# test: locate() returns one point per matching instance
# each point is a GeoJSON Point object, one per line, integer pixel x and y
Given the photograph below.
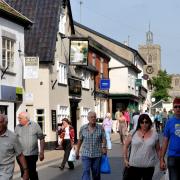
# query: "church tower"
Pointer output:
{"type": "Point", "coordinates": [151, 54]}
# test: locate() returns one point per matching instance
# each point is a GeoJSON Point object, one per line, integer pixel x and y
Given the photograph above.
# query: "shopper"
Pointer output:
{"type": "Point", "coordinates": [28, 133]}
{"type": "Point", "coordinates": [107, 125]}
{"type": "Point", "coordinates": [67, 136]}
{"type": "Point", "coordinates": [171, 142]}
{"type": "Point", "coordinates": [144, 142]}
{"type": "Point", "coordinates": [93, 141]}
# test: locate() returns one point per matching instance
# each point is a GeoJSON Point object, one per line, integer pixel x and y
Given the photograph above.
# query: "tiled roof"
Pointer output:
{"type": "Point", "coordinates": [40, 40]}
{"type": "Point", "coordinates": [8, 12]}
{"type": "Point", "coordinates": [135, 52]}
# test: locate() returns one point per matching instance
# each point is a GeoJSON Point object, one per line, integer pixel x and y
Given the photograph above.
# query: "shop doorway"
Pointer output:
{"type": "Point", "coordinates": [74, 113]}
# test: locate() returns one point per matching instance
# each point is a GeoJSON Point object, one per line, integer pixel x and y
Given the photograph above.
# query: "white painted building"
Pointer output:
{"type": "Point", "coordinates": [12, 26]}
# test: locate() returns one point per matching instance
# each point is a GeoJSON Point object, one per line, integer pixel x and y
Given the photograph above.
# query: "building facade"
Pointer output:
{"type": "Point", "coordinates": [12, 28]}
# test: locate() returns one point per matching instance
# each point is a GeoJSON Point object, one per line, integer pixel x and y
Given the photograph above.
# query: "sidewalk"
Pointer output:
{"type": "Point", "coordinates": [54, 155]}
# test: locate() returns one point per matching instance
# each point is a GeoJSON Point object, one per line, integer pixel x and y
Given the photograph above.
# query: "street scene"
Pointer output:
{"type": "Point", "coordinates": [84, 82]}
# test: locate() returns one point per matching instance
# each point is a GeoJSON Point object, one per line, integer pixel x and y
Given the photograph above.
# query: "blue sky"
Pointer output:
{"type": "Point", "coordinates": [119, 19]}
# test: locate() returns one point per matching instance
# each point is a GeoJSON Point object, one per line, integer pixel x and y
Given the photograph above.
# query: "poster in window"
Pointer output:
{"type": "Point", "coordinates": [78, 54]}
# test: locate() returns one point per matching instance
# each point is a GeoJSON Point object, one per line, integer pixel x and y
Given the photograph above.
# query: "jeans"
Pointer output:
{"type": "Point", "coordinates": [92, 164]}
{"type": "Point", "coordinates": [173, 164]}
{"type": "Point", "coordinates": [108, 138]}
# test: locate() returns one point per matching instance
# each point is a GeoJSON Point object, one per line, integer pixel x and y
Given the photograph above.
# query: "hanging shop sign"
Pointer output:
{"type": "Point", "coordinates": [78, 54]}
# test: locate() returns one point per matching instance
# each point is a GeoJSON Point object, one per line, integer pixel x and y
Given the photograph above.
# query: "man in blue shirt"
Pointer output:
{"type": "Point", "coordinates": [93, 141]}
{"type": "Point", "coordinates": [171, 141]}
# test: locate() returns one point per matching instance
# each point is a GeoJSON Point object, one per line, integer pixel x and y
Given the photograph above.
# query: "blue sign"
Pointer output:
{"type": "Point", "coordinates": [104, 84]}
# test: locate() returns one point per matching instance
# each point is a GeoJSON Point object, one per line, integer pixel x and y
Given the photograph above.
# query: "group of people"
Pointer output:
{"type": "Point", "coordinates": [23, 145]}
{"type": "Point", "coordinates": [142, 148]}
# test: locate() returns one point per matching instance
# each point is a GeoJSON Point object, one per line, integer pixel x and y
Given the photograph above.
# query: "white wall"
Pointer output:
{"type": "Point", "coordinates": [18, 31]}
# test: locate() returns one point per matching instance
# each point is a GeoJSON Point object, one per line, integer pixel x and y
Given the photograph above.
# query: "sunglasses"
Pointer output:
{"type": "Point", "coordinates": [177, 106]}
{"type": "Point", "coordinates": [144, 122]}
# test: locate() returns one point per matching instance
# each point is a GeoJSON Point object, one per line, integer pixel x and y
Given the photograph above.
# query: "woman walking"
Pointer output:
{"type": "Point", "coordinates": [122, 127]}
{"type": "Point", "coordinates": [107, 125]}
{"type": "Point", "coordinates": [67, 136]}
{"type": "Point", "coordinates": [144, 142]}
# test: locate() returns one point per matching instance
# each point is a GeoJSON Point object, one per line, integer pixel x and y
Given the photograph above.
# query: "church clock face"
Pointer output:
{"type": "Point", "coordinates": [149, 69]}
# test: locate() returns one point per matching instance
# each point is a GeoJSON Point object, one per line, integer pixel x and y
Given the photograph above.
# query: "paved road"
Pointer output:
{"type": "Point", "coordinates": [50, 170]}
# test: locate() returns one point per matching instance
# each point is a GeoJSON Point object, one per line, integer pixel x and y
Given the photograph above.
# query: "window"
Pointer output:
{"type": "Point", "coordinates": [62, 74]}
{"type": "Point", "coordinates": [150, 59]}
{"type": "Point", "coordinates": [129, 80]}
{"type": "Point", "coordinates": [85, 83]}
{"type": "Point", "coordinates": [3, 109]}
{"type": "Point", "coordinates": [84, 115]}
{"type": "Point", "coordinates": [7, 52]}
{"type": "Point", "coordinates": [101, 65]}
{"type": "Point", "coordinates": [62, 23]}
{"type": "Point", "coordinates": [94, 59]}
{"type": "Point", "coordinates": [176, 82]}
{"type": "Point", "coordinates": [40, 118]}
{"type": "Point", "coordinates": [62, 112]}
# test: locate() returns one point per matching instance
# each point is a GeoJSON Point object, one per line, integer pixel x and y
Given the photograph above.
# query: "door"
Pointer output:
{"type": "Point", "coordinates": [74, 116]}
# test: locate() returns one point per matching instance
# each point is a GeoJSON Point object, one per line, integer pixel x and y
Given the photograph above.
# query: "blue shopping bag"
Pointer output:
{"type": "Point", "coordinates": [105, 165]}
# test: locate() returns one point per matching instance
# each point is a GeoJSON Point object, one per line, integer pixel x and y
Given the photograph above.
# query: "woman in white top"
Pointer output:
{"type": "Point", "coordinates": [67, 136]}
{"type": "Point", "coordinates": [144, 151]}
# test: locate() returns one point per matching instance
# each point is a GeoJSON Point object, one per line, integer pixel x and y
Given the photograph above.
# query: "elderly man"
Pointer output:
{"type": "Point", "coordinates": [9, 148]}
{"type": "Point", "coordinates": [28, 133]}
{"type": "Point", "coordinates": [171, 141]}
{"type": "Point", "coordinates": [93, 141]}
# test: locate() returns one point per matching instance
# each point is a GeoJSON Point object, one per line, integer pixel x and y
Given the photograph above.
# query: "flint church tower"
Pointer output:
{"type": "Point", "coordinates": [151, 54]}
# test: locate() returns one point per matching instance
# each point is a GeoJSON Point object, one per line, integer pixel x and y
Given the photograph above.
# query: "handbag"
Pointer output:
{"type": "Point", "coordinates": [72, 155]}
{"type": "Point", "coordinates": [105, 165]}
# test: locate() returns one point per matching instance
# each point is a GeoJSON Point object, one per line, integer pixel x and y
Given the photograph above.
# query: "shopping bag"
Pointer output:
{"type": "Point", "coordinates": [105, 165]}
{"type": "Point", "coordinates": [72, 155]}
{"type": "Point", "coordinates": [166, 176]}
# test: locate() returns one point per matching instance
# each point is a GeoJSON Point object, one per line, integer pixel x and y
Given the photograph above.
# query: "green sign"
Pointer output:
{"type": "Point", "coordinates": [19, 90]}
{"type": "Point", "coordinates": [138, 82]}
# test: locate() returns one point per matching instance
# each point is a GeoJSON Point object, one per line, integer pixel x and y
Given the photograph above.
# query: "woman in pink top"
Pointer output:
{"type": "Point", "coordinates": [107, 125]}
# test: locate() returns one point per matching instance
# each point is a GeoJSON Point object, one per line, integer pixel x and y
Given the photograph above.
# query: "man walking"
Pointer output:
{"type": "Point", "coordinates": [93, 141]}
{"type": "Point", "coordinates": [171, 141]}
{"type": "Point", "coordinates": [9, 148]}
{"type": "Point", "coordinates": [28, 133]}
